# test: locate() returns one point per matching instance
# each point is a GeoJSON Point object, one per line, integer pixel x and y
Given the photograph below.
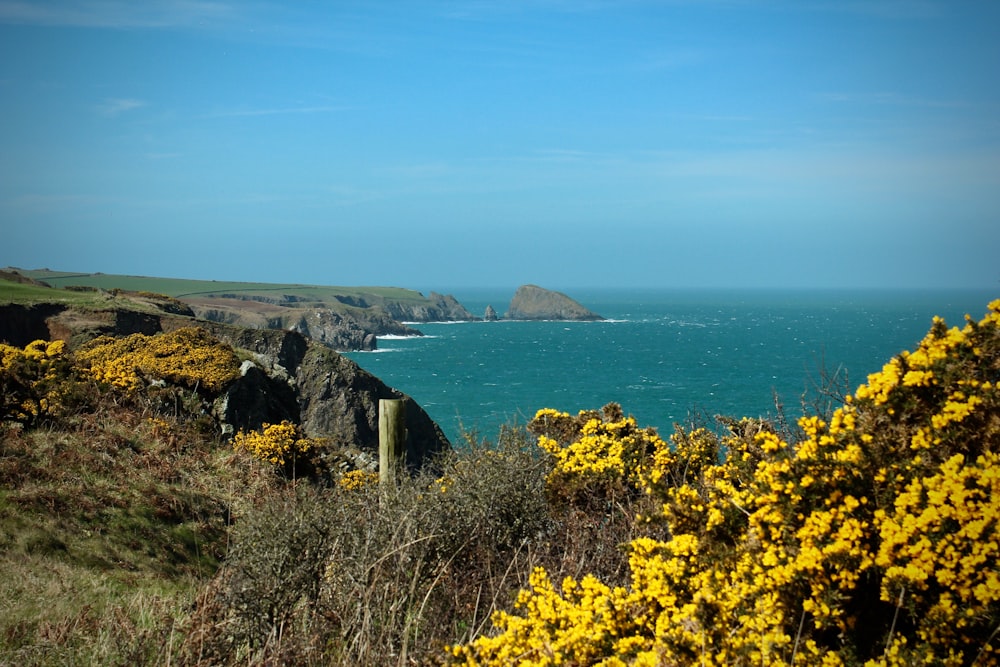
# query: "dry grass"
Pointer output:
{"type": "Point", "coordinates": [134, 537]}
{"type": "Point", "coordinates": [389, 577]}
{"type": "Point", "coordinates": [110, 521]}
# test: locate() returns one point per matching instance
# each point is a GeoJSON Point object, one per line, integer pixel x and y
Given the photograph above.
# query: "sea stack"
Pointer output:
{"type": "Point", "coordinates": [532, 302]}
{"type": "Point", "coordinates": [491, 314]}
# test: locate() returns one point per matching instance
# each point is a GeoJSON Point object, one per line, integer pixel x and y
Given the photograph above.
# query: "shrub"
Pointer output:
{"type": "Point", "coordinates": [357, 479]}
{"type": "Point", "coordinates": [189, 357]}
{"type": "Point", "coordinates": [379, 575]}
{"type": "Point", "coordinates": [600, 454]}
{"type": "Point", "coordinates": [277, 444]}
{"type": "Point", "coordinates": [34, 381]}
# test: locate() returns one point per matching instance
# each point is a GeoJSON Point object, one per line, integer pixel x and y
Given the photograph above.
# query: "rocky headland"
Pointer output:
{"type": "Point", "coordinates": [532, 302]}
{"type": "Point", "coordinates": [342, 318]}
{"type": "Point", "coordinates": [353, 323]}
{"type": "Point", "coordinates": [287, 375]}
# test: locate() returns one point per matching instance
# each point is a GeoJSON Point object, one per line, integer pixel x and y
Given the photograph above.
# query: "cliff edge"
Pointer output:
{"type": "Point", "coordinates": [285, 376]}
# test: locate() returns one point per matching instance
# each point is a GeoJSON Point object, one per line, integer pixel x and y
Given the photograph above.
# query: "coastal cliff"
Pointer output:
{"type": "Point", "coordinates": [349, 328]}
{"type": "Point", "coordinates": [342, 318]}
{"type": "Point", "coordinates": [287, 375]}
{"type": "Point", "coordinates": [531, 302]}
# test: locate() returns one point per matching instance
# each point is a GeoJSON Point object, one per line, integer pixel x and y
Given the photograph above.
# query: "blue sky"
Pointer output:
{"type": "Point", "coordinates": [565, 143]}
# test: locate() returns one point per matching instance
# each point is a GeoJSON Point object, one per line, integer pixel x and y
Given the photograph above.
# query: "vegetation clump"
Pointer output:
{"type": "Point", "coordinates": [284, 446]}
{"type": "Point", "coordinates": [189, 357]}
{"type": "Point", "coordinates": [34, 381]}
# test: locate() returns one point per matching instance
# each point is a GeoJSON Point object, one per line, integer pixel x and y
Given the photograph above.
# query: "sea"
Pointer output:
{"type": "Point", "coordinates": [666, 356]}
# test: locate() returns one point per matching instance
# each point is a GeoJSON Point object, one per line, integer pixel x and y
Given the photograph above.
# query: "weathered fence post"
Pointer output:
{"type": "Point", "coordinates": [391, 438]}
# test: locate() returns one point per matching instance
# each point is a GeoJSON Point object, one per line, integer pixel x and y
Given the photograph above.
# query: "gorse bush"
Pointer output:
{"type": "Point", "coordinates": [357, 479]}
{"type": "Point", "coordinates": [283, 445]}
{"type": "Point", "coordinates": [189, 357]}
{"type": "Point", "coordinates": [594, 450]}
{"type": "Point", "coordinates": [35, 382]}
{"type": "Point", "coordinates": [872, 540]}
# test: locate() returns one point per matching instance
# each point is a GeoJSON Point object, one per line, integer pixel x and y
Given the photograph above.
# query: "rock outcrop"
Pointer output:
{"type": "Point", "coordinates": [327, 393]}
{"type": "Point", "coordinates": [438, 308]}
{"type": "Point", "coordinates": [355, 329]}
{"type": "Point", "coordinates": [531, 302]}
{"type": "Point", "coordinates": [290, 376]}
{"type": "Point", "coordinates": [491, 314]}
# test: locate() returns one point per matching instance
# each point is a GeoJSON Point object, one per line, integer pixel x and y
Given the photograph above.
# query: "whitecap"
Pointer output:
{"type": "Point", "coordinates": [398, 337]}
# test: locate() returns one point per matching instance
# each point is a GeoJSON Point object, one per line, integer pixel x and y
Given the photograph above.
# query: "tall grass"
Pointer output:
{"type": "Point", "coordinates": [389, 576]}
{"type": "Point", "coordinates": [111, 519]}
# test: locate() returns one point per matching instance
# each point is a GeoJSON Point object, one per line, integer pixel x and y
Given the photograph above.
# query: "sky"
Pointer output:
{"type": "Point", "coordinates": [566, 143]}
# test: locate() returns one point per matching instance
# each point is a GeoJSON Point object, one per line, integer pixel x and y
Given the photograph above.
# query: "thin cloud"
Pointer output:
{"type": "Point", "coordinates": [116, 106]}
{"type": "Point", "coordinates": [277, 111]}
{"type": "Point", "coordinates": [115, 13]}
{"type": "Point", "coordinates": [886, 9]}
{"type": "Point", "coordinates": [888, 98]}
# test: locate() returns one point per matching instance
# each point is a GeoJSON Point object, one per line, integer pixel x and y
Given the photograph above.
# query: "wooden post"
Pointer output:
{"type": "Point", "coordinates": [391, 438]}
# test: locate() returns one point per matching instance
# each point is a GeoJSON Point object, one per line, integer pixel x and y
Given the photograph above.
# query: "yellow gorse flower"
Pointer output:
{"type": "Point", "coordinates": [276, 444]}
{"type": "Point", "coordinates": [189, 357]}
{"type": "Point", "coordinates": [33, 379]}
{"type": "Point", "coordinates": [357, 479]}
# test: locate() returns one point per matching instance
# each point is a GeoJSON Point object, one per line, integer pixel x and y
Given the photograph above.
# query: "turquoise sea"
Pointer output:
{"type": "Point", "coordinates": [664, 355]}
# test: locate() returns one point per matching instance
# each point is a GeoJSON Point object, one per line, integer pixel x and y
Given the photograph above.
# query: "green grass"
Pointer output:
{"type": "Point", "coordinates": [11, 292]}
{"type": "Point", "coordinates": [181, 288]}
{"type": "Point", "coordinates": [110, 524]}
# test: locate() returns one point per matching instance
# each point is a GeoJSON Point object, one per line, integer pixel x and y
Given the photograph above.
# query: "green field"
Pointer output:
{"type": "Point", "coordinates": [12, 292]}
{"type": "Point", "coordinates": [182, 288]}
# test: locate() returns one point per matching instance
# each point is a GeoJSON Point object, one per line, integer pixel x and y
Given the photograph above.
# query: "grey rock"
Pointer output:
{"type": "Point", "coordinates": [531, 302]}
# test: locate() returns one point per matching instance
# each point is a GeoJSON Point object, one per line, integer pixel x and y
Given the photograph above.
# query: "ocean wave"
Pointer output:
{"type": "Point", "coordinates": [417, 324]}
{"type": "Point", "coordinates": [398, 337]}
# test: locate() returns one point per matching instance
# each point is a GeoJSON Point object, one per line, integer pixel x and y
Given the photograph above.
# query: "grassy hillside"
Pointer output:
{"type": "Point", "coordinates": [27, 293]}
{"type": "Point", "coordinates": [114, 511]}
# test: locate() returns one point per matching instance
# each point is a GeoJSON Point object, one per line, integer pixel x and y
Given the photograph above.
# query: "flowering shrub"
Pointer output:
{"type": "Point", "coordinates": [940, 548]}
{"type": "Point", "coordinates": [189, 357]}
{"type": "Point", "coordinates": [33, 380]}
{"type": "Point", "coordinates": [357, 479]}
{"type": "Point", "coordinates": [872, 540]}
{"type": "Point", "coordinates": [595, 452]}
{"type": "Point", "coordinates": [277, 444]}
